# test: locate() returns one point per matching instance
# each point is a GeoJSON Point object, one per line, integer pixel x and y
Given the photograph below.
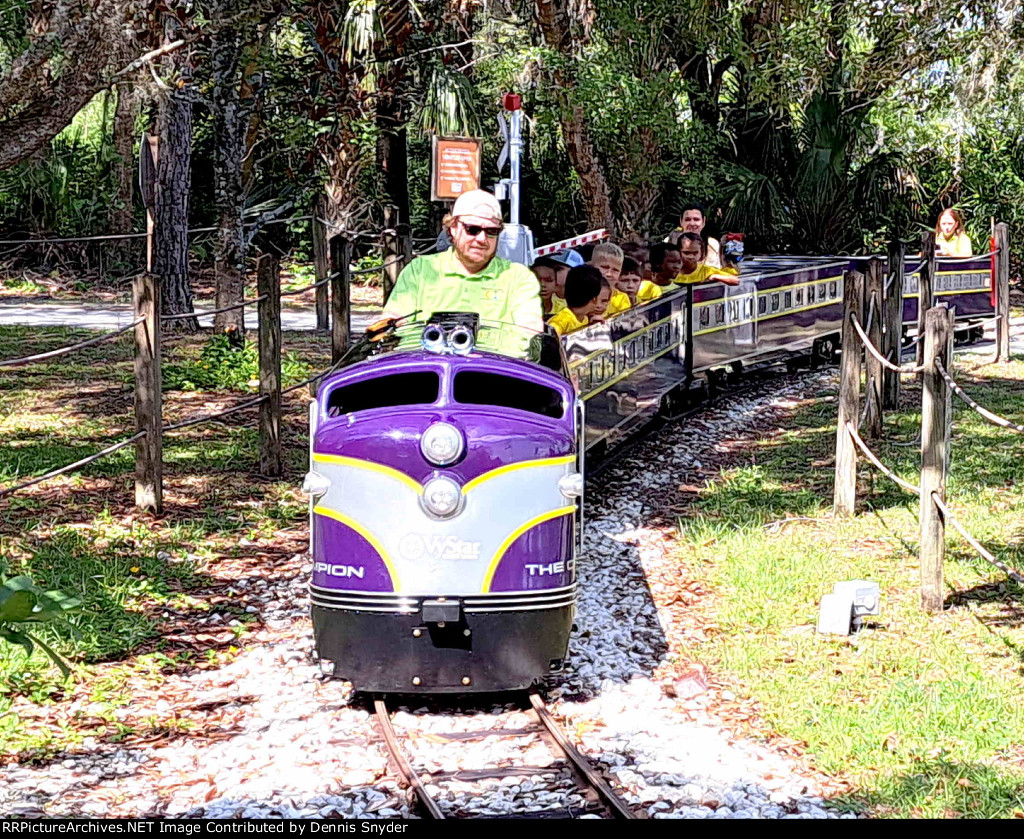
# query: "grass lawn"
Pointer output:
{"type": "Point", "coordinates": [923, 714]}
{"type": "Point", "coordinates": [146, 583]}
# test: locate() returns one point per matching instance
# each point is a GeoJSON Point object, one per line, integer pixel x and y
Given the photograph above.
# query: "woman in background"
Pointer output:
{"type": "Point", "coordinates": [950, 237]}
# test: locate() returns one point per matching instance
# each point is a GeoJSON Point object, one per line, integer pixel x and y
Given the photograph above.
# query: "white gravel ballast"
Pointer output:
{"type": "Point", "coordinates": [303, 748]}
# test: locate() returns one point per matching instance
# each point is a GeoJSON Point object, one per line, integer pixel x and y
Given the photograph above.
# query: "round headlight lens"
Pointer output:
{"type": "Point", "coordinates": [442, 497]}
{"type": "Point", "coordinates": [442, 444]}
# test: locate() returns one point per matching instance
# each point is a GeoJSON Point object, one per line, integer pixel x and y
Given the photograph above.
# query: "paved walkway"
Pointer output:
{"type": "Point", "coordinates": [107, 317]}
{"type": "Point", "coordinates": [113, 316]}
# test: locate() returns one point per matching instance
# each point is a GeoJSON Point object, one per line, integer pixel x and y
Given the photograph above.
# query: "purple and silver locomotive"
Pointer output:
{"type": "Point", "coordinates": [446, 488]}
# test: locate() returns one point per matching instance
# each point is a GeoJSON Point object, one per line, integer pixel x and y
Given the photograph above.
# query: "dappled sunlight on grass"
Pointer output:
{"type": "Point", "coordinates": [921, 712]}
{"type": "Point", "coordinates": [136, 574]}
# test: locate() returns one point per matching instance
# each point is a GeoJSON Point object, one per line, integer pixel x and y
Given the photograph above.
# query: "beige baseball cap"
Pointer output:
{"type": "Point", "coordinates": [479, 203]}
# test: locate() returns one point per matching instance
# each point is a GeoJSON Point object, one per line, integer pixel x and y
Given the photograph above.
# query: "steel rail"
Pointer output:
{"type": "Point", "coordinates": [611, 800]}
{"type": "Point", "coordinates": [383, 717]}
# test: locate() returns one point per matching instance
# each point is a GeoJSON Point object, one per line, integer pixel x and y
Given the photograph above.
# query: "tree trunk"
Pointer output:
{"type": "Point", "coordinates": [122, 210]}
{"type": "Point", "coordinates": [392, 158]}
{"type": "Point", "coordinates": [640, 190]}
{"type": "Point", "coordinates": [174, 181]}
{"type": "Point", "coordinates": [123, 173]}
{"type": "Point", "coordinates": [91, 42]}
{"type": "Point", "coordinates": [558, 27]}
{"type": "Point", "coordinates": [230, 127]}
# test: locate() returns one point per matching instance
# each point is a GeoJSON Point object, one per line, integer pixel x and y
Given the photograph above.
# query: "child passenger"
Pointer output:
{"type": "Point", "coordinates": [547, 269]}
{"type": "Point", "coordinates": [642, 254]}
{"type": "Point", "coordinates": [634, 286]}
{"type": "Point", "coordinates": [951, 238]}
{"type": "Point", "coordinates": [665, 264]}
{"type": "Point", "coordinates": [586, 296]}
{"type": "Point", "coordinates": [607, 258]}
{"type": "Point", "coordinates": [695, 269]}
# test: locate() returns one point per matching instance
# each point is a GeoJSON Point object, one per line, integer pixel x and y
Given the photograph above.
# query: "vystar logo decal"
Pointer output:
{"type": "Point", "coordinates": [416, 546]}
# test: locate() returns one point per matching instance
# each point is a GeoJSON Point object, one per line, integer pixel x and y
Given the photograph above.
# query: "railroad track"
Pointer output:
{"type": "Point", "coordinates": [601, 800]}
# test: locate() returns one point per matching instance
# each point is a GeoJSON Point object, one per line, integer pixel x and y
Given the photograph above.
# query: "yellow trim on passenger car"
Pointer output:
{"type": "Point", "coordinates": [630, 371]}
{"type": "Point", "coordinates": [952, 291]}
{"type": "Point", "coordinates": [579, 362]}
{"type": "Point", "coordinates": [369, 466]}
{"type": "Point", "coordinates": [515, 534]}
{"type": "Point", "coordinates": [369, 537]}
{"type": "Point", "coordinates": [514, 467]}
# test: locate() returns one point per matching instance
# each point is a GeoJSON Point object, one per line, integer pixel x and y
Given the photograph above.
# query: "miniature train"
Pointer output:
{"type": "Point", "coordinates": [446, 482]}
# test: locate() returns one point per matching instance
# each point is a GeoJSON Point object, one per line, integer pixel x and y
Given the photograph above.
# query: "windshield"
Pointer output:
{"type": "Point", "coordinates": [499, 337]}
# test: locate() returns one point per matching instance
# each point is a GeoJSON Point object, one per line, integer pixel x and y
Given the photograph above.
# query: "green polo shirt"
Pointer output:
{"type": "Point", "coordinates": [505, 294]}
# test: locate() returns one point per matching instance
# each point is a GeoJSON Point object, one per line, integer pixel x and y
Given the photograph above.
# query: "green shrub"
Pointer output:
{"type": "Point", "coordinates": [224, 366]}
{"type": "Point", "coordinates": [22, 603]}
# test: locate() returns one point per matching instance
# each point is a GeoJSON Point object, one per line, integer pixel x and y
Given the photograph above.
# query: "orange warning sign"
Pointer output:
{"type": "Point", "coordinates": [456, 167]}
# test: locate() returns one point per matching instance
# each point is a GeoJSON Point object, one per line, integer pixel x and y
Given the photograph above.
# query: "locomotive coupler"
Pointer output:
{"type": "Point", "coordinates": [441, 611]}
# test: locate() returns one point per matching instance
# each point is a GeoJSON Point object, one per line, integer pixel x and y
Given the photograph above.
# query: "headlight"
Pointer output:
{"type": "Point", "coordinates": [315, 484]}
{"type": "Point", "coordinates": [571, 485]}
{"type": "Point", "coordinates": [442, 497]}
{"type": "Point", "coordinates": [442, 444]}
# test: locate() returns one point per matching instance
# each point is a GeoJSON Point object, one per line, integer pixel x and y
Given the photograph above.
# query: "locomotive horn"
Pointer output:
{"type": "Point", "coordinates": [433, 338]}
{"type": "Point", "coordinates": [461, 340]}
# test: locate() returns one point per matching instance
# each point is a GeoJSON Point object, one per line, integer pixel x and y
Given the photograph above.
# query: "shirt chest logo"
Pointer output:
{"type": "Point", "coordinates": [493, 294]}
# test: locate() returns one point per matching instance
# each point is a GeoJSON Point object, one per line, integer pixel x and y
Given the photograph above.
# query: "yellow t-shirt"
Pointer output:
{"type": "Point", "coordinates": [647, 292]}
{"type": "Point", "coordinates": [704, 273]}
{"type": "Point", "coordinates": [566, 321]}
{"type": "Point", "coordinates": [619, 302]}
{"type": "Point", "coordinates": [959, 245]}
{"type": "Point", "coordinates": [505, 294]}
{"type": "Point", "coordinates": [557, 304]}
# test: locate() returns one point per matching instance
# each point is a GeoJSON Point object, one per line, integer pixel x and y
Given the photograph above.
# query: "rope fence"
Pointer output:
{"type": "Point", "coordinates": [189, 423]}
{"type": "Point", "coordinates": [937, 326]}
{"type": "Point", "coordinates": [81, 345]}
{"type": "Point", "coordinates": [881, 467]}
{"type": "Point", "coordinates": [113, 237]}
{"type": "Point", "coordinates": [973, 542]}
{"type": "Point", "coordinates": [995, 419]}
{"type": "Point", "coordinates": [881, 359]}
{"type": "Point", "coordinates": [71, 467]}
{"type": "Point", "coordinates": [336, 318]}
{"type": "Point", "coordinates": [305, 288]}
{"type": "Point", "coordinates": [205, 313]}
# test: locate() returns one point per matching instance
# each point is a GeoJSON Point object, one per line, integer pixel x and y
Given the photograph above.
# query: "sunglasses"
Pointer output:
{"type": "Point", "coordinates": [475, 230]}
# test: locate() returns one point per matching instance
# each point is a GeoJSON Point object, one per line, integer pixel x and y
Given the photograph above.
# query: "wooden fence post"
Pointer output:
{"type": "Point", "coordinates": [936, 416]}
{"type": "Point", "coordinates": [321, 266]}
{"type": "Point", "coordinates": [405, 245]}
{"type": "Point", "coordinates": [268, 281]}
{"type": "Point", "coordinates": [875, 317]}
{"type": "Point", "coordinates": [149, 459]}
{"type": "Point", "coordinates": [392, 257]}
{"type": "Point", "coordinates": [341, 326]}
{"type": "Point", "coordinates": [925, 288]}
{"type": "Point", "coordinates": [1003, 292]}
{"type": "Point", "coordinates": [892, 342]}
{"type": "Point", "coordinates": [845, 490]}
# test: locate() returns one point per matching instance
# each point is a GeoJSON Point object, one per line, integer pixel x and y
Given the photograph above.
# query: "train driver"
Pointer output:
{"type": "Point", "coordinates": [950, 237]}
{"type": "Point", "coordinates": [471, 278]}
